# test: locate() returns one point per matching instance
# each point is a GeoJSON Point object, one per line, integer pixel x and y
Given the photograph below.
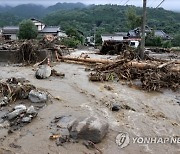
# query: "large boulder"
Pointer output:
{"type": "Point", "coordinates": [66, 122]}
{"type": "Point", "coordinates": [43, 72]}
{"type": "Point", "coordinates": [91, 128]}
{"type": "Point", "coordinates": [36, 96]}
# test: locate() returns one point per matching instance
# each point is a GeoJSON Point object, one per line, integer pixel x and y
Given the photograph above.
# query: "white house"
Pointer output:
{"type": "Point", "coordinates": [40, 26]}
{"type": "Point", "coordinates": [10, 32]}
{"type": "Point", "coordinates": [114, 37]}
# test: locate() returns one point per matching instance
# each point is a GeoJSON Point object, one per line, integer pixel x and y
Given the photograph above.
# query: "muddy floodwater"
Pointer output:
{"type": "Point", "coordinates": [149, 114]}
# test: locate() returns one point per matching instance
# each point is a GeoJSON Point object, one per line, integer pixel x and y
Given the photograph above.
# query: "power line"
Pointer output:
{"type": "Point", "coordinates": [121, 1]}
{"type": "Point", "coordinates": [160, 4]}
{"type": "Point", "coordinates": [153, 1]}
{"type": "Point", "coordinates": [126, 2]}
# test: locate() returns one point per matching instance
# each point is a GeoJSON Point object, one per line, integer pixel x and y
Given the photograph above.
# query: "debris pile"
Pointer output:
{"type": "Point", "coordinates": [33, 51]}
{"type": "Point", "coordinates": [114, 47]}
{"type": "Point", "coordinates": [13, 89]}
{"type": "Point", "coordinates": [28, 53]}
{"type": "Point", "coordinates": [154, 75]}
{"type": "Point", "coordinates": [70, 129]}
{"type": "Point", "coordinates": [10, 45]}
{"type": "Point", "coordinates": [19, 116]}
{"type": "Point", "coordinates": [160, 50]}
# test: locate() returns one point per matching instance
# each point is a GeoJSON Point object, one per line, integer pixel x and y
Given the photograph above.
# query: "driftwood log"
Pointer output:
{"type": "Point", "coordinates": [134, 64]}
{"type": "Point", "coordinates": [87, 60]}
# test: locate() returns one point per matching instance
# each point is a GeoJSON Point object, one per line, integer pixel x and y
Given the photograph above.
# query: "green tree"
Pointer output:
{"type": "Point", "coordinates": [70, 42]}
{"type": "Point", "coordinates": [176, 40]}
{"type": "Point", "coordinates": [98, 38]}
{"type": "Point", "coordinates": [154, 41]}
{"type": "Point", "coordinates": [167, 44]}
{"type": "Point", "coordinates": [72, 32]}
{"type": "Point", "coordinates": [133, 19]}
{"type": "Point", "coordinates": [27, 30]}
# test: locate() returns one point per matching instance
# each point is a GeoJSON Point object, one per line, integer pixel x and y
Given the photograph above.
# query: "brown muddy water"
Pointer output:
{"type": "Point", "coordinates": [151, 115]}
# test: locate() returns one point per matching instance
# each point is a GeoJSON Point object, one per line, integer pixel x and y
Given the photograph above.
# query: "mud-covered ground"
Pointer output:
{"type": "Point", "coordinates": [154, 114]}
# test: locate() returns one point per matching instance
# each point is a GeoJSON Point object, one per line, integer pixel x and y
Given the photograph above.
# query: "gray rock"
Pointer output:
{"type": "Point", "coordinates": [21, 107]}
{"type": "Point", "coordinates": [43, 72]}
{"type": "Point", "coordinates": [92, 129]}
{"type": "Point", "coordinates": [31, 111]}
{"type": "Point", "coordinates": [26, 119]}
{"type": "Point", "coordinates": [36, 96]}
{"type": "Point", "coordinates": [4, 101]}
{"type": "Point", "coordinates": [15, 113]}
{"type": "Point", "coordinates": [66, 122]}
{"type": "Point", "coordinates": [116, 107]}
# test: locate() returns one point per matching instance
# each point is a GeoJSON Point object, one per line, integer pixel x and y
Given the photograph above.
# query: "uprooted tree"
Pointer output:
{"type": "Point", "coordinates": [27, 30]}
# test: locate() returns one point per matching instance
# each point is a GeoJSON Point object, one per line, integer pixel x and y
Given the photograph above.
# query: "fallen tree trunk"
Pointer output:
{"type": "Point", "coordinates": [165, 60]}
{"type": "Point", "coordinates": [145, 65]}
{"type": "Point", "coordinates": [88, 60]}
{"type": "Point", "coordinates": [135, 64]}
{"type": "Point", "coordinates": [141, 65]}
{"type": "Point", "coordinates": [166, 64]}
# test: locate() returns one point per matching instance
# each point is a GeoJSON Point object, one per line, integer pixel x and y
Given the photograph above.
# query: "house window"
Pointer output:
{"type": "Point", "coordinates": [7, 37]}
{"type": "Point", "coordinates": [132, 44]}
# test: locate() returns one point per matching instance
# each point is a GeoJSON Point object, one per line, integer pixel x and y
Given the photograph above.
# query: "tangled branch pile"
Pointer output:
{"type": "Point", "coordinates": [13, 89]}
{"type": "Point", "coordinates": [28, 53]}
{"type": "Point", "coordinates": [153, 74]}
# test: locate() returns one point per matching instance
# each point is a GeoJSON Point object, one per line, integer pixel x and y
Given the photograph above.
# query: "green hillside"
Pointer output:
{"type": "Point", "coordinates": [106, 18]}
{"type": "Point", "coordinates": [113, 18]}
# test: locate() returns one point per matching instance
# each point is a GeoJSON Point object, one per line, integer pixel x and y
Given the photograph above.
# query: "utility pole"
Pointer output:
{"type": "Point", "coordinates": [94, 35]}
{"type": "Point", "coordinates": [143, 30]}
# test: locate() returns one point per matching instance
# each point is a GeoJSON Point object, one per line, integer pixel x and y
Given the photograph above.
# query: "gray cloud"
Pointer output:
{"type": "Point", "coordinates": [168, 4]}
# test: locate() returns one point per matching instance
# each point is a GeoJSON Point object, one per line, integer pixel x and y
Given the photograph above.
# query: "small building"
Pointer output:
{"type": "Point", "coordinates": [40, 25]}
{"type": "Point", "coordinates": [10, 32]}
{"type": "Point", "coordinates": [53, 30]}
{"type": "Point", "coordinates": [136, 33]}
{"type": "Point", "coordinates": [113, 37]}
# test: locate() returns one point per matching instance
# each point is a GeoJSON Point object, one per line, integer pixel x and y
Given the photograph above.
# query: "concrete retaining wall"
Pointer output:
{"type": "Point", "coordinates": [12, 56]}
{"type": "Point", "coordinates": [8, 56]}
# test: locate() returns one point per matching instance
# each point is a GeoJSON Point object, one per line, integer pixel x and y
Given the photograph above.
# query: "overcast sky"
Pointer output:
{"type": "Point", "coordinates": [168, 4]}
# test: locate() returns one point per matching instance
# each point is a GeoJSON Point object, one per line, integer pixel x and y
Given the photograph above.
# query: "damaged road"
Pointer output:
{"type": "Point", "coordinates": [139, 113]}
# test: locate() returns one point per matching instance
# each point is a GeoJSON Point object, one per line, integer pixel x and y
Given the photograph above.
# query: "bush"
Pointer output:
{"type": "Point", "coordinates": [167, 44]}
{"type": "Point", "coordinates": [176, 41]}
{"type": "Point", "coordinates": [71, 32]}
{"type": "Point", "coordinates": [154, 41]}
{"type": "Point", "coordinates": [70, 42]}
{"type": "Point", "coordinates": [27, 30]}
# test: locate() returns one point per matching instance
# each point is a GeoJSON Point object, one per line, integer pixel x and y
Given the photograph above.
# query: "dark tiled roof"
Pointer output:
{"type": "Point", "coordinates": [160, 33]}
{"type": "Point", "coordinates": [111, 35]}
{"type": "Point", "coordinates": [10, 29]}
{"type": "Point", "coordinates": [34, 19]}
{"type": "Point", "coordinates": [132, 33]}
{"type": "Point", "coordinates": [50, 29]}
{"type": "Point", "coordinates": [121, 33]}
